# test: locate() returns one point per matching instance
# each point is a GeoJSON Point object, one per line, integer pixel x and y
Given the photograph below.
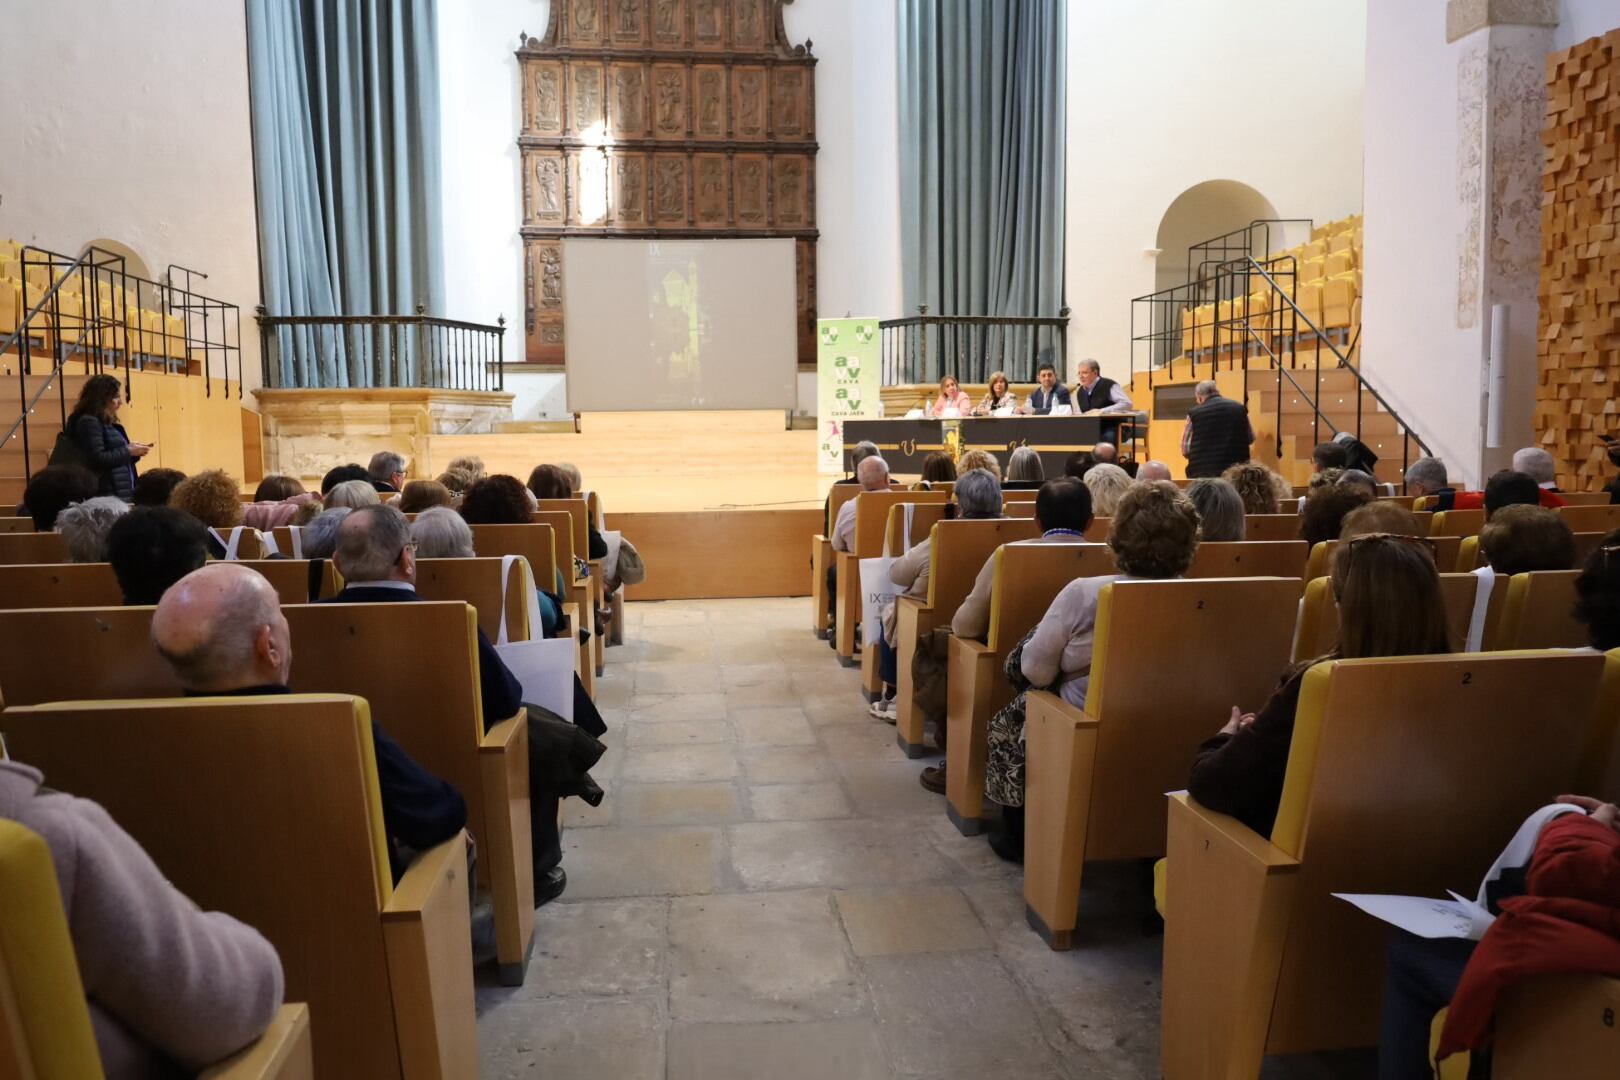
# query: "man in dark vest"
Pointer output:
{"type": "Point", "coordinates": [1096, 394]}
{"type": "Point", "coordinates": [1218, 432]}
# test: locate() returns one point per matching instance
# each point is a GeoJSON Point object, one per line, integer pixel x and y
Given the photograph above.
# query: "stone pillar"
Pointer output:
{"type": "Point", "coordinates": [1502, 46]}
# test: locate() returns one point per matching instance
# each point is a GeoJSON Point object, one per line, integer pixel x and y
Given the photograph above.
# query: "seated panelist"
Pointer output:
{"type": "Point", "coordinates": [998, 398]}
{"type": "Point", "coordinates": [952, 400]}
{"type": "Point", "coordinates": [1049, 393]}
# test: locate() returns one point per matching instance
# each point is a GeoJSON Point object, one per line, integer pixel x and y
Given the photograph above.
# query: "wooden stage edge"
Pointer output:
{"type": "Point", "coordinates": [715, 554]}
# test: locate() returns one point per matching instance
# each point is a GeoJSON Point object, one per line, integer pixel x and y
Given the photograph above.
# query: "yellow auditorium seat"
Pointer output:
{"type": "Point", "coordinates": [1601, 518]}
{"type": "Point", "coordinates": [1321, 561]}
{"type": "Point", "coordinates": [269, 809]}
{"type": "Point", "coordinates": [1339, 294]}
{"type": "Point", "coordinates": [821, 558]}
{"type": "Point", "coordinates": [63, 585]}
{"type": "Point", "coordinates": [1271, 527]}
{"type": "Point", "coordinates": [871, 521]}
{"type": "Point", "coordinates": [1343, 243]}
{"type": "Point", "coordinates": [1249, 558]}
{"type": "Point", "coordinates": [1404, 776]}
{"type": "Point", "coordinates": [32, 547]}
{"type": "Point", "coordinates": [47, 1032]}
{"type": "Point", "coordinates": [957, 551]}
{"type": "Point", "coordinates": [1315, 250]}
{"type": "Point", "coordinates": [908, 523]}
{"type": "Point", "coordinates": [477, 582]}
{"type": "Point", "coordinates": [579, 512]}
{"type": "Point", "coordinates": [1456, 522]}
{"type": "Point", "coordinates": [1096, 778]}
{"type": "Point", "coordinates": [10, 306]}
{"type": "Point", "coordinates": [1025, 580]}
{"type": "Point", "coordinates": [1537, 613]}
{"type": "Point", "coordinates": [1318, 631]}
{"type": "Point", "coordinates": [547, 543]}
{"type": "Point", "coordinates": [1308, 297]}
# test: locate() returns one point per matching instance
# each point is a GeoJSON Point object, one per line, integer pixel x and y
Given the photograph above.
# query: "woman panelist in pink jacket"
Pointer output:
{"type": "Point", "coordinates": [951, 396]}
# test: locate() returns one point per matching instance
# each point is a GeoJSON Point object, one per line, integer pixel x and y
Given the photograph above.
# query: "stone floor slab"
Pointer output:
{"type": "Point", "coordinates": [571, 1040]}
{"type": "Point", "coordinates": [888, 922]}
{"type": "Point", "coordinates": [772, 726]}
{"type": "Point", "coordinates": [888, 789]}
{"type": "Point", "coordinates": [797, 802]}
{"type": "Point", "coordinates": [813, 1050]}
{"type": "Point", "coordinates": [673, 763]}
{"type": "Point", "coordinates": [598, 947]}
{"type": "Point", "coordinates": [711, 803]}
{"type": "Point", "coordinates": [679, 733]}
{"type": "Point", "coordinates": [785, 765]}
{"type": "Point", "coordinates": [769, 957]}
{"type": "Point", "coordinates": [943, 1011]}
{"type": "Point", "coordinates": [640, 862]}
{"type": "Point", "coordinates": [830, 854]}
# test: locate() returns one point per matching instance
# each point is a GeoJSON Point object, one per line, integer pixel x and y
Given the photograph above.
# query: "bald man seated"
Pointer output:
{"type": "Point", "coordinates": [1150, 471]}
{"type": "Point", "coordinates": [873, 475]}
{"type": "Point", "coordinates": [222, 631]}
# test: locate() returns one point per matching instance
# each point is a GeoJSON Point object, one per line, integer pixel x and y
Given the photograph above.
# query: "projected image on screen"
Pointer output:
{"type": "Point", "coordinates": [683, 324]}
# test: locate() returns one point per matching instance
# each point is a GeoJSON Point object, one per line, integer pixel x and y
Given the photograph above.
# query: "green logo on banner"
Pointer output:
{"type": "Point", "coordinates": [863, 333]}
{"type": "Point", "coordinates": [829, 335]}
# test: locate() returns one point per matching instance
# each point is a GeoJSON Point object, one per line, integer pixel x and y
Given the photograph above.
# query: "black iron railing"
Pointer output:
{"type": "Point", "coordinates": [307, 351]}
{"type": "Point", "coordinates": [90, 310]}
{"type": "Point", "coordinates": [922, 348]}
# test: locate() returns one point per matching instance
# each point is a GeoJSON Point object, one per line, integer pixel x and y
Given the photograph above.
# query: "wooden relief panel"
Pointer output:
{"type": "Point", "coordinates": [748, 103]}
{"type": "Point", "coordinates": [545, 108]}
{"type": "Point", "coordinates": [629, 22]}
{"type": "Point", "coordinates": [709, 101]}
{"type": "Point", "coordinates": [669, 101]}
{"type": "Point", "coordinates": [629, 113]}
{"type": "Point", "coordinates": [629, 172]}
{"type": "Point", "coordinates": [711, 204]}
{"type": "Point", "coordinates": [751, 186]}
{"type": "Point", "coordinates": [669, 189]}
{"type": "Point", "coordinates": [587, 89]}
{"type": "Point", "coordinates": [647, 118]}
{"type": "Point", "coordinates": [790, 194]}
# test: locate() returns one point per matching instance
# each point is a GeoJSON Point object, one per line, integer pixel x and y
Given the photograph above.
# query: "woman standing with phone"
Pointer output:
{"type": "Point", "coordinates": [105, 445]}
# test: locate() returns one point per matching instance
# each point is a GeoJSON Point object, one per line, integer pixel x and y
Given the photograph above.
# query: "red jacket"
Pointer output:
{"type": "Point", "coordinates": [1567, 923]}
{"type": "Point", "coordinates": [1475, 500]}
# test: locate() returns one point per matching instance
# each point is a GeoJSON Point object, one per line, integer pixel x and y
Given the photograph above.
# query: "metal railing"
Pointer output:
{"type": "Point", "coordinates": [89, 309]}
{"type": "Point", "coordinates": [923, 348]}
{"type": "Point", "coordinates": [382, 350]}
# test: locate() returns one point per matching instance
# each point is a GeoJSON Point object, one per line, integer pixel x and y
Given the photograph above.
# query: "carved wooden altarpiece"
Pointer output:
{"type": "Point", "coordinates": [664, 118]}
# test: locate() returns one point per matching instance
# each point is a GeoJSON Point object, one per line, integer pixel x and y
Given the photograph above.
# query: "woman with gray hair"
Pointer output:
{"type": "Point", "coordinates": [1024, 470]}
{"type": "Point", "coordinates": [353, 494]}
{"type": "Point", "coordinates": [1107, 484]}
{"type": "Point", "coordinates": [1220, 509]}
{"type": "Point", "coordinates": [441, 533]}
{"type": "Point", "coordinates": [84, 527]}
{"type": "Point", "coordinates": [977, 495]}
{"type": "Point", "coordinates": [318, 539]}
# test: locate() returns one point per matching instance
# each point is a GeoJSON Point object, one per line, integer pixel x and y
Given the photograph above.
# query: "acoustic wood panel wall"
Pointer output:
{"type": "Point", "coordinates": [1578, 397]}
{"type": "Point", "coordinates": [673, 118]}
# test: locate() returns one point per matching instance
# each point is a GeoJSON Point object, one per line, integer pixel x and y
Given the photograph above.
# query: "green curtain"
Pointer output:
{"type": "Point", "coordinates": [981, 174]}
{"type": "Point", "coordinates": [345, 103]}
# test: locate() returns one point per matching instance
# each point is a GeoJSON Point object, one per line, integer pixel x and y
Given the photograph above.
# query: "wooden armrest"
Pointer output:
{"type": "Point", "coordinates": [283, 1052]}
{"type": "Point", "coordinates": [427, 934]}
{"type": "Point", "coordinates": [1060, 761]}
{"type": "Point", "coordinates": [570, 612]}
{"type": "Point", "coordinates": [507, 852]}
{"type": "Point", "coordinates": [1053, 708]}
{"type": "Point", "coordinates": [903, 603]}
{"type": "Point", "coordinates": [1233, 834]}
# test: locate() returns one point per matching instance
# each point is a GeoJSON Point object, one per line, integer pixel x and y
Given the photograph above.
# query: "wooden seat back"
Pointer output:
{"type": "Point", "coordinates": [1271, 527]}
{"type": "Point", "coordinates": [1319, 616]}
{"type": "Point", "coordinates": [548, 546]}
{"type": "Point", "coordinates": [48, 585]}
{"type": "Point", "coordinates": [1430, 756]}
{"type": "Point", "coordinates": [1149, 727]}
{"type": "Point", "coordinates": [1538, 613]}
{"type": "Point", "coordinates": [111, 647]}
{"type": "Point", "coordinates": [1021, 508]}
{"type": "Point", "coordinates": [1603, 518]}
{"type": "Point", "coordinates": [1586, 498]}
{"type": "Point", "coordinates": [1249, 558]}
{"type": "Point", "coordinates": [837, 496]}
{"type": "Point", "coordinates": [957, 551]}
{"type": "Point", "coordinates": [1025, 580]}
{"type": "Point", "coordinates": [32, 547]}
{"type": "Point", "coordinates": [872, 517]}
{"type": "Point", "coordinates": [579, 513]}
{"type": "Point", "coordinates": [18, 524]}
{"type": "Point", "coordinates": [1456, 522]}
{"type": "Point", "coordinates": [1446, 549]}
{"type": "Point", "coordinates": [264, 808]}
{"type": "Point", "coordinates": [1559, 1025]}
{"type": "Point", "coordinates": [477, 582]}
{"type": "Point", "coordinates": [910, 523]}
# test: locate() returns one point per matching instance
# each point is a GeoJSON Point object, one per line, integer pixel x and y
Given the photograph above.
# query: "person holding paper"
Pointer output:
{"type": "Point", "coordinates": [1049, 393]}
{"type": "Point", "coordinates": [1390, 604]}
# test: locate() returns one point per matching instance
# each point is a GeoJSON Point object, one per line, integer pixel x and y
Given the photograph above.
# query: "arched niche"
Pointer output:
{"type": "Point", "coordinates": [1200, 213]}
{"type": "Point", "coordinates": [134, 264]}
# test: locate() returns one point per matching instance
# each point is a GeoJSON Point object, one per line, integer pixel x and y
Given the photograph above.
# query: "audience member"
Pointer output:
{"type": "Point", "coordinates": [979, 459]}
{"type": "Point", "coordinates": [1510, 488]}
{"type": "Point", "coordinates": [1329, 455]}
{"type": "Point", "coordinates": [1105, 453]}
{"type": "Point", "coordinates": [1538, 465]}
{"type": "Point", "coordinates": [863, 450]}
{"type": "Point", "coordinates": [1388, 592]}
{"type": "Point", "coordinates": [1261, 489]}
{"type": "Point", "coordinates": [275, 488]}
{"type": "Point", "coordinates": [553, 482]}
{"type": "Point", "coordinates": [1597, 594]}
{"type": "Point", "coordinates": [873, 473]}
{"type": "Point", "coordinates": [1427, 476]}
{"type": "Point", "coordinates": [354, 494]}
{"type": "Point", "coordinates": [1380, 517]}
{"type": "Point", "coordinates": [171, 988]}
{"type": "Point", "coordinates": [84, 527]}
{"type": "Point", "coordinates": [1220, 509]}
{"type": "Point", "coordinates": [420, 495]}
{"type": "Point", "coordinates": [212, 497]}
{"type": "Point", "coordinates": [1218, 433]}
{"type": "Point", "coordinates": [470, 464]}
{"type": "Point", "coordinates": [1062, 513]}
{"type": "Point", "coordinates": [1323, 478]}
{"type": "Point", "coordinates": [377, 559]}
{"type": "Point", "coordinates": [386, 471]}
{"type": "Point", "coordinates": [1024, 470]}
{"type": "Point", "coordinates": [319, 537]}
{"type": "Point", "coordinates": [975, 495]}
{"type": "Point", "coordinates": [341, 474]}
{"type": "Point", "coordinates": [497, 500]}
{"type": "Point", "coordinates": [1108, 484]}
{"type": "Point", "coordinates": [1154, 536]}
{"type": "Point", "coordinates": [441, 533]}
{"type": "Point", "coordinates": [1077, 463]}
{"type": "Point", "coordinates": [1325, 510]}
{"type": "Point", "coordinates": [1363, 480]}
{"type": "Point", "coordinates": [938, 468]}
{"type": "Point", "coordinates": [154, 486]}
{"type": "Point", "coordinates": [1524, 539]}
{"type": "Point", "coordinates": [293, 510]}
{"type": "Point", "coordinates": [576, 481]}
{"type": "Point", "coordinates": [1152, 471]}
{"type": "Point", "coordinates": [222, 631]}
{"type": "Point", "coordinates": [151, 548]}
{"type": "Point", "coordinates": [457, 481]}
{"type": "Point", "coordinates": [103, 445]}
{"type": "Point", "coordinates": [53, 489]}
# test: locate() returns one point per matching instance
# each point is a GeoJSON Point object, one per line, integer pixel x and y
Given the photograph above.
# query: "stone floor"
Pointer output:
{"type": "Point", "coordinates": [768, 892]}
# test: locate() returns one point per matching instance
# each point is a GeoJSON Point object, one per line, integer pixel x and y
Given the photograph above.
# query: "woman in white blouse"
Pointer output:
{"type": "Point", "coordinates": [1154, 537]}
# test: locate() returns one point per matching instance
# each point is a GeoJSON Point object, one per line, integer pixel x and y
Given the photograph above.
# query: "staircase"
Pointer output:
{"type": "Point", "coordinates": [44, 421]}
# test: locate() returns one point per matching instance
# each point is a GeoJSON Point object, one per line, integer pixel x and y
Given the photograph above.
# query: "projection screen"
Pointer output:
{"type": "Point", "coordinates": [679, 324]}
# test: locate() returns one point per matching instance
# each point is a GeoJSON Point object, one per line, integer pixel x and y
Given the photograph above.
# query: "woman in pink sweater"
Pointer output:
{"type": "Point", "coordinates": [168, 984]}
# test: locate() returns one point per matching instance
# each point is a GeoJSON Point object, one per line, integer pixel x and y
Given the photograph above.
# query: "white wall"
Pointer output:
{"type": "Point", "coordinates": [1582, 19]}
{"type": "Point", "coordinates": [1158, 101]}
{"type": "Point", "coordinates": [129, 121]}
{"type": "Point", "coordinates": [857, 173]}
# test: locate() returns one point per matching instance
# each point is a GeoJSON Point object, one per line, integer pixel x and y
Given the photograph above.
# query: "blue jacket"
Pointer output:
{"type": "Point", "coordinates": [1041, 403]}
